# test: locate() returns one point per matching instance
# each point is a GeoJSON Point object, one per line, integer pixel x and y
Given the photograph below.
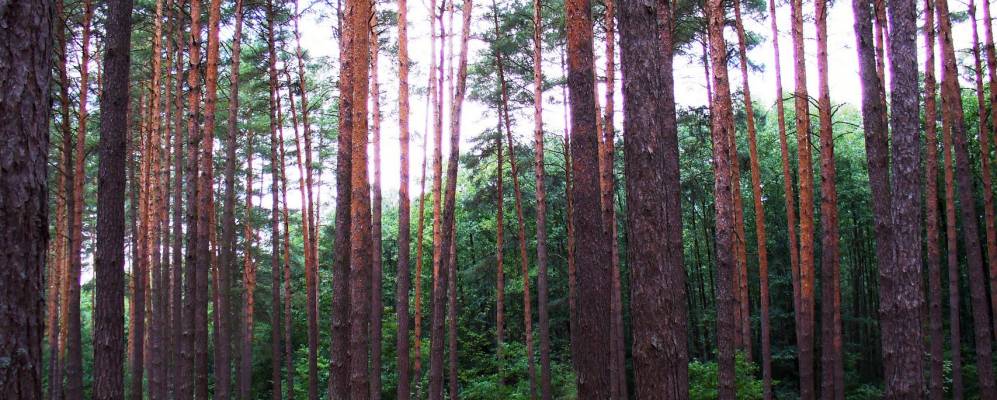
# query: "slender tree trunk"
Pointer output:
{"type": "Point", "coordinates": [71, 313]}
{"type": "Point", "coordinates": [376, 273]}
{"type": "Point", "coordinates": [417, 314]}
{"type": "Point", "coordinates": [404, 210]}
{"type": "Point", "coordinates": [57, 279]}
{"type": "Point", "coordinates": [936, 346]}
{"type": "Point", "coordinates": [953, 114]}
{"type": "Point", "coordinates": [658, 288]}
{"type": "Point", "coordinates": [805, 338]}
{"type": "Point", "coordinates": [832, 363]}
{"type": "Point", "coordinates": [989, 218]}
{"type": "Point", "coordinates": [521, 230]}
{"type": "Point", "coordinates": [538, 149]}
{"type": "Point", "coordinates": [756, 189]}
{"type": "Point", "coordinates": [991, 54]}
{"type": "Point", "coordinates": [286, 261]}
{"type": "Point", "coordinates": [722, 130]}
{"type": "Point", "coordinates": [570, 212]}
{"type": "Point", "coordinates": [591, 344]}
{"type": "Point", "coordinates": [24, 114]}
{"type": "Point", "coordinates": [340, 330]}
{"type": "Point", "coordinates": [952, 250]}
{"type": "Point", "coordinates": [226, 257]}
{"type": "Point", "coordinates": [275, 319]}
{"type": "Point", "coordinates": [499, 243]}
{"type": "Point", "coordinates": [438, 282]}
{"type": "Point", "coordinates": [618, 377]}
{"type": "Point", "coordinates": [205, 224]}
{"type": "Point", "coordinates": [176, 274]}
{"type": "Point", "coordinates": [787, 178]}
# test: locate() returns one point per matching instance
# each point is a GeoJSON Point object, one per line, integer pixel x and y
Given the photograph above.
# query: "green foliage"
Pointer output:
{"type": "Point", "coordinates": [703, 379]}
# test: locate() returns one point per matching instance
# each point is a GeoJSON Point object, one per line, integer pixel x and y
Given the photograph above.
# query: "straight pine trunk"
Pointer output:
{"type": "Point", "coordinates": [438, 279]}
{"type": "Point", "coordinates": [936, 347]}
{"type": "Point", "coordinates": [538, 167]}
{"type": "Point", "coordinates": [953, 113]}
{"type": "Point", "coordinates": [725, 202]}
{"type": "Point", "coordinates": [275, 321]}
{"type": "Point", "coordinates": [226, 255]}
{"type": "Point", "coordinates": [24, 115]}
{"type": "Point", "coordinates": [805, 336]}
{"type": "Point", "coordinates": [358, 17]}
{"type": "Point", "coordinates": [404, 210]}
{"type": "Point", "coordinates": [248, 279]}
{"type": "Point", "coordinates": [590, 345]}
{"type": "Point", "coordinates": [71, 292]}
{"type": "Point", "coordinates": [376, 272]}
{"type": "Point", "coordinates": [991, 54]}
{"type": "Point", "coordinates": [832, 354]}
{"type": "Point", "coordinates": [651, 141]}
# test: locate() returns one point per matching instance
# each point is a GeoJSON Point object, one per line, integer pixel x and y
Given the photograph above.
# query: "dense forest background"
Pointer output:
{"type": "Point", "coordinates": [271, 179]}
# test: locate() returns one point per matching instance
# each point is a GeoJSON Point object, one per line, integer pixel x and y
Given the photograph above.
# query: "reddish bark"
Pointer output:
{"type": "Point", "coordinates": [275, 321]}
{"type": "Point", "coordinates": [953, 115]}
{"type": "Point", "coordinates": [591, 344]}
{"type": "Point", "coordinates": [404, 209]}
{"type": "Point", "coordinates": [805, 336]}
{"type": "Point", "coordinates": [936, 345]}
{"type": "Point", "coordinates": [756, 190]}
{"type": "Point", "coordinates": [376, 273]}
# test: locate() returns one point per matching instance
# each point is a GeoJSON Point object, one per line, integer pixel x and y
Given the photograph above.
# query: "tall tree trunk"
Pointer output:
{"type": "Point", "coordinates": [499, 243]}
{"type": "Point", "coordinates": [991, 54]}
{"type": "Point", "coordinates": [249, 280]}
{"type": "Point", "coordinates": [417, 314]}
{"type": "Point", "coordinates": [521, 230]}
{"type": "Point", "coordinates": [226, 257]}
{"type": "Point", "coordinates": [359, 14]}
{"type": "Point", "coordinates": [57, 279]}
{"type": "Point", "coordinates": [832, 363]}
{"type": "Point", "coordinates": [936, 346]}
{"type": "Point", "coordinates": [275, 319]}
{"type": "Point", "coordinates": [953, 114]}
{"type": "Point", "coordinates": [24, 115]}
{"type": "Point", "coordinates": [340, 326]}
{"type": "Point", "coordinates": [404, 210]}
{"type": "Point", "coordinates": [192, 257]}
{"type": "Point", "coordinates": [722, 131]}
{"type": "Point", "coordinates": [538, 167]}
{"type": "Point", "coordinates": [805, 336]}
{"type": "Point", "coordinates": [590, 347]}
{"type": "Point", "coordinates": [71, 313]}
{"type": "Point", "coordinates": [286, 261]}
{"type": "Point", "coordinates": [205, 224]}
{"type": "Point", "coordinates": [438, 280]}
{"type": "Point", "coordinates": [176, 279]}
{"type": "Point", "coordinates": [952, 250]}
{"type": "Point", "coordinates": [376, 273]}
{"type": "Point", "coordinates": [570, 212]}
{"type": "Point", "coordinates": [756, 190]}
{"type": "Point", "coordinates": [658, 288]}
{"type": "Point", "coordinates": [607, 183]}
{"type": "Point", "coordinates": [787, 178]}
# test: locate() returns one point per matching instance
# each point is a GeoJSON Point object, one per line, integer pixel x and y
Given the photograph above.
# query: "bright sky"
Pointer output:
{"type": "Point", "coordinates": [318, 39]}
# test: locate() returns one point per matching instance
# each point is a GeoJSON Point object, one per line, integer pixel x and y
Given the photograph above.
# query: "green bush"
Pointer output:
{"type": "Point", "coordinates": [703, 380]}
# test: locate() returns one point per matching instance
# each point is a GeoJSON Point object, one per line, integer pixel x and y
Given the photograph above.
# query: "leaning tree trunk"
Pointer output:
{"type": "Point", "coordinates": [658, 299]}
{"type": "Point", "coordinates": [24, 115]}
{"type": "Point", "coordinates": [756, 190]}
